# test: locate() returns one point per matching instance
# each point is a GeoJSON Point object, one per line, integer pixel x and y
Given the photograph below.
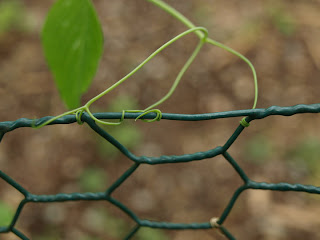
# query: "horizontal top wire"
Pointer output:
{"type": "Point", "coordinates": [259, 113]}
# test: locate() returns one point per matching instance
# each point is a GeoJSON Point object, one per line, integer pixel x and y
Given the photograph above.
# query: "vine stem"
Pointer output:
{"type": "Point", "coordinates": [195, 29]}
{"type": "Point", "coordinates": [189, 24]}
{"type": "Point", "coordinates": [167, 8]}
{"type": "Point", "coordinates": [180, 75]}
{"type": "Point", "coordinates": [246, 60]}
{"type": "Point", "coordinates": [59, 116]}
{"type": "Point", "coordinates": [183, 70]}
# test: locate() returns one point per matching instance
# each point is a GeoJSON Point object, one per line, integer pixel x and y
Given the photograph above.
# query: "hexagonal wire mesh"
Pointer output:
{"type": "Point", "coordinates": [216, 222]}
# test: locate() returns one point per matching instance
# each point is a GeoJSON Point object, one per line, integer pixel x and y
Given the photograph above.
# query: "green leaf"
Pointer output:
{"type": "Point", "coordinates": [72, 40]}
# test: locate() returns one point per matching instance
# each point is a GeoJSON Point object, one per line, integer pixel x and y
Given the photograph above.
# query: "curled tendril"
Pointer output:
{"type": "Point", "coordinates": [79, 115]}
{"type": "Point", "coordinates": [100, 121]}
{"type": "Point", "coordinates": [244, 122]}
{"type": "Point", "coordinates": [156, 111]}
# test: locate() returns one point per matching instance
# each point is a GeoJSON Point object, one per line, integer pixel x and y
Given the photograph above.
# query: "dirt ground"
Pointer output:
{"type": "Point", "coordinates": [281, 38]}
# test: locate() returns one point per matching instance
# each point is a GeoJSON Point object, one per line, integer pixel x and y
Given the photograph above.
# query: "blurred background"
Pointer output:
{"type": "Point", "coordinates": [281, 38]}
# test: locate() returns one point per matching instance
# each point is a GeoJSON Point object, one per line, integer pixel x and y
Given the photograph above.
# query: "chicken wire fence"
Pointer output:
{"type": "Point", "coordinates": [216, 222]}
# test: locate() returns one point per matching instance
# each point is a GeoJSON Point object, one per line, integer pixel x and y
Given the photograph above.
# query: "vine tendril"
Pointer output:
{"type": "Point", "coordinates": [78, 116]}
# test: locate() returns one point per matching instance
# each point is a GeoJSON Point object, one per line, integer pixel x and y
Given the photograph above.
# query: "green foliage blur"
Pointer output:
{"type": "Point", "coordinates": [93, 180]}
{"type": "Point", "coordinates": [100, 220]}
{"type": "Point", "coordinates": [6, 215]}
{"type": "Point", "coordinates": [282, 19]}
{"type": "Point", "coordinates": [154, 234]}
{"type": "Point", "coordinates": [12, 16]}
{"type": "Point", "coordinates": [258, 149]}
{"type": "Point", "coordinates": [305, 155]}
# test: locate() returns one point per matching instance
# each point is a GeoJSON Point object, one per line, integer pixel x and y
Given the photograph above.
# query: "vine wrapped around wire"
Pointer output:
{"type": "Point", "coordinates": [201, 32]}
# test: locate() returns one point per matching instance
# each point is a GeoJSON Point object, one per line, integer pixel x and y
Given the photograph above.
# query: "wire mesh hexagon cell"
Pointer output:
{"type": "Point", "coordinates": [216, 222]}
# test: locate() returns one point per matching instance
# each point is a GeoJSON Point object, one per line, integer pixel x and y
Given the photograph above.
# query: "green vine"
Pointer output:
{"type": "Point", "coordinates": [201, 32]}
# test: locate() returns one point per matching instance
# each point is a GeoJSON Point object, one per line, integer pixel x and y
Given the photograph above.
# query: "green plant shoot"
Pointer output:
{"type": "Point", "coordinates": [77, 57]}
{"type": "Point", "coordinates": [73, 44]}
